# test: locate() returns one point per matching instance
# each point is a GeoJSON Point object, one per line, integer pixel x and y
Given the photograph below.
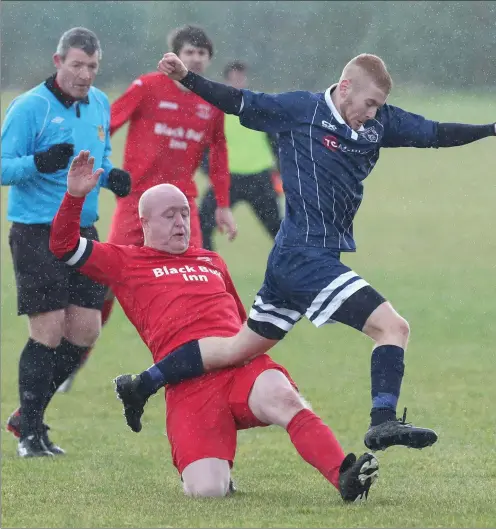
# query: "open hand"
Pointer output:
{"type": "Point", "coordinates": [81, 179]}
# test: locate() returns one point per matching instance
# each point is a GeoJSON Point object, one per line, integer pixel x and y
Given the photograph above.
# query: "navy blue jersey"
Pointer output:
{"type": "Point", "coordinates": [323, 162]}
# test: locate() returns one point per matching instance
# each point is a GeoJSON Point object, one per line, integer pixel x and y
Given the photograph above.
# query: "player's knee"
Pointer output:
{"type": "Point", "coordinates": [214, 487]}
{"type": "Point", "coordinates": [386, 326]}
{"type": "Point", "coordinates": [396, 329]}
{"type": "Point", "coordinates": [83, 328]}
{"type": "Point", "coordinates": [47, 328]}
{"type": "Point", "coordinates": [402, 328]}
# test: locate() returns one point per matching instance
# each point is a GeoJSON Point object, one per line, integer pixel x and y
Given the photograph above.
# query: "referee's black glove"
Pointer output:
{"type": "Point", "coordinates": [57, 157]}
{"type": "Point", "coordinates": [119, 182]}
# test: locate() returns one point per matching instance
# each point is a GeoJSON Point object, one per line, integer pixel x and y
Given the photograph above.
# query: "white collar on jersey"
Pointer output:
{"type": "Point", "coordinates": [335, 112]}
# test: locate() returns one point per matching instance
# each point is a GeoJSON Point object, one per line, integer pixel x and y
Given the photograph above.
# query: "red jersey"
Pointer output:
{"type": "Point", "coordinates": [170, 299]}
{"type": "Point", "coordinates": [169, 130]}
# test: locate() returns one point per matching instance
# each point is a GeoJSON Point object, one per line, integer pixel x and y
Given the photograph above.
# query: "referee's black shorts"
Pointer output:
{"type": "Point", "coordinates": [44, 283]}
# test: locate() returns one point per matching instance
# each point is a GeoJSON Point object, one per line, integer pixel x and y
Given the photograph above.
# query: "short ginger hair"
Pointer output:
{"type": "Point", "coordinates": [374, 67]}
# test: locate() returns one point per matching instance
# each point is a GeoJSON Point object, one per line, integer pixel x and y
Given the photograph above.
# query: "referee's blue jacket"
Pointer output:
{"type": "Point", "coordinates": [35, 121]}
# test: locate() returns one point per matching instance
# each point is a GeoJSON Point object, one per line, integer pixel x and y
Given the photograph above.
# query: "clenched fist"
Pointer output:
{"type": "Point", "coordinates": [172, 66]}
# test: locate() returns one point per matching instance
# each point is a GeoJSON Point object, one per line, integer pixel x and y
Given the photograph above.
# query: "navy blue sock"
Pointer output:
{"type": "Point", "coordinates": [183, 363]}
{"type": "Point", "coordinates": [387, 370]}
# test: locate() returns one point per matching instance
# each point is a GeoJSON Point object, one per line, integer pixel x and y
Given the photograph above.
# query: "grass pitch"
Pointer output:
{"type": "Point", "coordinates": [425, 236]}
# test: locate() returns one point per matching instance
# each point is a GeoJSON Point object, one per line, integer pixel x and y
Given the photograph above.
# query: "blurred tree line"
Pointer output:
{"type": "Point", "coordinates": [289, 45]}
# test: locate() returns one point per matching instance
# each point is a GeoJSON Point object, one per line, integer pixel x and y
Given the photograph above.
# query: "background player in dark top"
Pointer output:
{"type": "Point", "coordinates": [328, 143]}
{"type": "Point", "coordinates": [252, 162]}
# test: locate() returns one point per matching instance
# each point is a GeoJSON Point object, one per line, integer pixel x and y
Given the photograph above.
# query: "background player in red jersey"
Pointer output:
{"type": "Point", "coordinates": [169, 129]}
{"type": "Point", "coordinates": [173, 293]}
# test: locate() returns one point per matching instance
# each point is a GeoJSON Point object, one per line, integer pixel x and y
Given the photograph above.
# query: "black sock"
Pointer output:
{"type": "Point", "coordinates": [36, 367]}
{"type": "Point", "coordinates": [183, 363]}
{"type": "Point", "coordinates": [387, 370]}
{"type": "Point", "coordinates": [68, 358]}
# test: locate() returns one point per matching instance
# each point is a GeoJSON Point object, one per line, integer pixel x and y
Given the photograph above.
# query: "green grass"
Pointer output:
{"type": "Point", "coordinates": [426, 240]}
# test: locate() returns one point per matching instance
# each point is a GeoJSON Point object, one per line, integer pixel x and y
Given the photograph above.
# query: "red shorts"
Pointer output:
{"type": "Point", "coordinates": [126, 226]}
{"type": "Point", "coordinates": [204, 414]}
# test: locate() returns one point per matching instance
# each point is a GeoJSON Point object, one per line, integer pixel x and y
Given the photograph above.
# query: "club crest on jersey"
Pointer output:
{"type": "Point", "coordinates": [101, 133]}
{"type": "Point", "coordinates": [370, 134]}
{"type": "Point", "coordinates": [203, 111]}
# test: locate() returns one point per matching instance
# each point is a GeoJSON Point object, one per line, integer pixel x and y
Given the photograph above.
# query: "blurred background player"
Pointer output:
{"type": "Point", "coordinates": [252, 159]}
{"type": "Point", "coordinates": [40, 132]}
{"type": "Point", "coordinates": [169, 129]}
{"type": "Point", "coordinates": [172, 292]}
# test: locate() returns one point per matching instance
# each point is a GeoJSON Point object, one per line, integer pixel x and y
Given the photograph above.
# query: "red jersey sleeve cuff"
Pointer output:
{"type": "Point", "coordinates": [223, 201]}
{"type": "Point", "coordinates": [73, 201]}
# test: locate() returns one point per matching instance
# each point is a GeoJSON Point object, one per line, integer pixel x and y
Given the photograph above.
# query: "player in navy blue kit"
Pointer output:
{"type": "Point", "coordinates": [328, 144]}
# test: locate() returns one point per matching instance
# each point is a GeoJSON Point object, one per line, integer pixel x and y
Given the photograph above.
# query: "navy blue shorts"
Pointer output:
{"type": "Point", "coordinates": [310, 282]}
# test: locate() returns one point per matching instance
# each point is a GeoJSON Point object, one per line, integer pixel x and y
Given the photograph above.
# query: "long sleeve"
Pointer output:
{"type": "Point", "coordinates": [101, 262]}
{"type": "Point", "coordinates": [124, 107]}
{"type": "Point", "coordinates": [18, 139]}
{"type": "Point", "coordinates": [218, 164]}
{"type": "Point", "coordinates": [226, 98]}
{"type": "Point", "coordinates": [457, 134]}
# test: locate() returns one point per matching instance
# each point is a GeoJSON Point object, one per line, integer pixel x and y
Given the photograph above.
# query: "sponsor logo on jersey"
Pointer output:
{"type": "Point", "coordinates": [162, 129]}
{"type": "Point", "coordinates": [188, 273]}
{"type": "Point", "coordinates": [168, 105]}
{"type": "Point", "coordinates": [331, 142]}
{"type": "Point", "coordinates": [203, 111]}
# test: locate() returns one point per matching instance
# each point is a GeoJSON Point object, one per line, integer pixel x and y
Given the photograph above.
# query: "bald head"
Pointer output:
{"type": "Point", "coordinates": [164, 214]}
{"type": "Point", "coordinates": [158, 196]}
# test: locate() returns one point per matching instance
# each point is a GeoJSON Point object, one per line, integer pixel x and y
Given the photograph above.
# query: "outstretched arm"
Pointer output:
{"type": "Point", "coordinates": [456, 134]}
{"type": "Point", "coordinates": [100, 261]}
{"type": "Point", "coordinates": [405, 129]}
{"type": "Point", "coordinates": [257, 111]}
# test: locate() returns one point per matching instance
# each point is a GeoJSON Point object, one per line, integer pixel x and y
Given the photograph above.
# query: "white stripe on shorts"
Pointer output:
{"type": "Point", "coordinates": [338, 300]}
{"type": "Point", "coordinates": [79, 252]}
{"type": "Point", "coordinates": [270, 318]}
{"type": "Point", "coordinates": [293, 314]}
{"type": "Point", "coordinates": [327, 291]}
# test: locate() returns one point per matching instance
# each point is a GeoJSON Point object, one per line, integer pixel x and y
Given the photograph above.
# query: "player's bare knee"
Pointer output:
{"type": "Point", "coordinates": [207, 489]}
{"type": "Point", "coordinates": [206, 478]}
{"type": "Point", "coordinates": [386, 326]}
{"type": "Point", "coordinates": [47, 328]}
{"type": "Point", "coordinates": [82, 326]}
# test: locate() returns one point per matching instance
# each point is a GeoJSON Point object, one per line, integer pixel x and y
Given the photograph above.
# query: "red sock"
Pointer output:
{"type": "Point", "coordinates": [316, 444]}
{"type": "Point", "coordinates": [108, 305]}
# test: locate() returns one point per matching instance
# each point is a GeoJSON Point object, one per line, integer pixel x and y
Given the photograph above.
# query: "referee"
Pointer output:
{"type": "Point", "coordinates": [41, 131]}
{"type": "Point", "coordinates": [252, 160]}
